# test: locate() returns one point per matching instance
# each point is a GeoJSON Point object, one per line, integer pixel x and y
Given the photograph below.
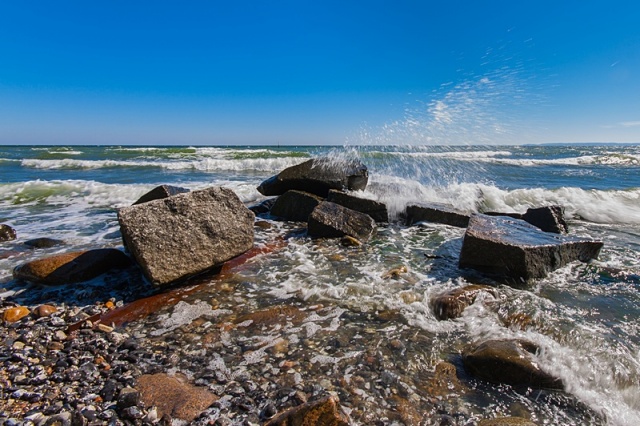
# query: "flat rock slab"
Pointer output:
{"type": "Point", "coordinates": [330, 220]}
{"type": "Point", "coordinates": [375, 209]}
{"type": "Point", "coordinates": [43, 242]}
{"type": "Point", "coordinates": [507, 421]}
{"type": "Point", "coordinates": [318, 176]}
{"type": "Point", "coordinates": [295, 205]}
{"type": "Point", "coordinates": [324, 412]}
{"type": "Point", "coordinates": [69, 268]}
{"type": "Point", "coordinates": [160, 192]}
{"type": "Point", "coordinates": [515, 249]}
{"type": "Point", "coordinates": [437, 213]}
{"type": "Point", "coordinates": [508, 361]}
{"type": "Point", "coordinates": [174, 396]}
{"type": "Point", "coordinates": [186, 234]}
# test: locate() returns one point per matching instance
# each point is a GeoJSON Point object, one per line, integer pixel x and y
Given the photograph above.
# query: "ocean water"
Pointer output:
{"type": "Point", "coordinates": [586, 317]}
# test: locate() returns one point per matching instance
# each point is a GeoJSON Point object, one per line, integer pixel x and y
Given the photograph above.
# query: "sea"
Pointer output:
{"type": "Point", "coordinates": [585, 316]}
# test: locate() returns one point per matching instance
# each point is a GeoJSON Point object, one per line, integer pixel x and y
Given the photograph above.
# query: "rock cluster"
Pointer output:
{"type": "Point", "coordinates": [72, 366]}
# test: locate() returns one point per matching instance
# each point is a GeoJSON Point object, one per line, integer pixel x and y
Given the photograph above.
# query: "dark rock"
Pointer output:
{"type": "Point", "coordinates": [108, 391]}
{"type": "Point", "coordinates": [330, 220]}
{"type": "Point", "coordinates": [263, 207]}
{"type": "Point", "coordinates": [510, 362]}
{"type": "Point", "coordinates": [325, 412]}
{"type": "Point", "coordinates": [318, 176]}
{"type": "Point", "coordinates": [160, 192]}
{"type": "Point", "coordinates": [435, 212]}
{"type": "Point", "coordinates": [7, 233]}
{"type": "Point", "coordinates": [548, 219]}
{"type": "Point", "coordinates": [295, 205]}
{"type": "Point", "coordinates": [173, 396]}
{"type": "Point", "coordinates": [375, 209]}
{"type": "Point", "coordinates": [452, 303]}
{"type": "Point", "coordinates": [129, 397]}
{"type": "Point", "coordinates": [72, 267]}
{"type": "Point", "coordinates": [514, 249]}
{"type": "Point", "coordinates": [43, 242]}
{"type": "Point", "coordinates": [186, 234]}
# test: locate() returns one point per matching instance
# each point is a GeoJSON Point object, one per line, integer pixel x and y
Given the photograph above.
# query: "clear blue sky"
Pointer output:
{"type": "Point", "coordinates": [319, 72]}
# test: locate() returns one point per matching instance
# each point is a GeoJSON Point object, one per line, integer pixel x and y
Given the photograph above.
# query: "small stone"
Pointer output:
{"type": "Point", "coordinates": [104, 328]}
{"type": "Point", "coordinates": [18, 345]}
{"type": "Point", "coordinates": [7, 233]}
{"type": "Point", "coordinates": [395, 272]}
{"type": "Point", "coordinates": [128, 397]}
{"type": "Point", "coordinates": [60, 335]}
{"type": "Point", "coordinates": [109, 305]}
{"type": "Point", "coordinates": [45, 310]}
{"type": "Point", "coordinates": [132, 413]}
{"type": "Point", "coordinates": [349, 241]}
{"type": "Point", "coordinates": [15, 314]}
{"type": "Point", "coordinates": [55, 346]}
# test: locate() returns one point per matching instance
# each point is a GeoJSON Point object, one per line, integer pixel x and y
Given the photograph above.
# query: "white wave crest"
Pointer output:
{"type": "Point", "coordinates": [205, 164]}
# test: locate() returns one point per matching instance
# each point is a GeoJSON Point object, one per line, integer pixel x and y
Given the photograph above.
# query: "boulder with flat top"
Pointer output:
{"type": "Point", "coordinates": [318, 176]}
{"type": "Point", "coordinates": [516, 250]}
{"type": "Point", "coordinates": [375, 209]}
{"type": "Point", "coordinates": [330, 220]}
{"type": "Point", "coordinates": [436, 213]}
{"type": "Point", "coordinates": [186, 234]}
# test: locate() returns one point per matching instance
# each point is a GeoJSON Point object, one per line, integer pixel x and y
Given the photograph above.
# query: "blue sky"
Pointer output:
{"type": "Point", "coordinates": [303, 72]}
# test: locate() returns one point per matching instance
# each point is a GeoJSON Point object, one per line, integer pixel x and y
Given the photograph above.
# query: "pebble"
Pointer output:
{"type": "Point", "coordinates": [15, 314]}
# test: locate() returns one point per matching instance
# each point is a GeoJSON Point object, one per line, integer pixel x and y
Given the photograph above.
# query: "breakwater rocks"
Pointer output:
{"type": "Point", "coordinates": [221, 351]}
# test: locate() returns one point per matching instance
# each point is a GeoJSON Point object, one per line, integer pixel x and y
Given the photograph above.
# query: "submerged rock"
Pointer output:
{"type": "Point", "coordinates": [7, 233]}
{"type": "Point", "coordinates": [510, 362]}
{"type": "Point", "coordinates": [324, 412]}
{"type": "Point", "coordinates": [295, 205]}
{"type": "Point", "coordinates": [375, 209]}
{"type": "Point", "coordinates": [330, 220]}
{"type": "Point", "coordinates": [160, 192]}
{"type": "Point", "coordinates": [451, 304]}
{"type": "Point", "coordinates": [43, 242]}
{"type": "Point", "coordinates": [73, 267]}
{"type": "Point", "coordinates": [318, 176]}
{"type": "Point", "coordinates": [506, 421]}
{"type": "Point", "coordinates": [517, 250]}
{"type": "Point", "coordinates": [186, 234]}
{"type": "Point", "coordinates": [437, 213]}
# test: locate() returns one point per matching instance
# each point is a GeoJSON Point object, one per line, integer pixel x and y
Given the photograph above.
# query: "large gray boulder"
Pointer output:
{"type": "Point", "coordinates": [186, 234]}
{"type": "Point", "coordinates": [295, 205]}
{"type": "Point", "coordinates": [318, 176]}
{"type": "Point", "coordinates": [375, 209]}
{"type": "Point", "coordinates": [437, 213]}
{"type": "Point", "coordinates": [159, 192]}
{"type": "Point", "coordinates": [508, 361]}
{"type": "Point", "coordinates": [515, 249]}
{"type": "Point", "coordinates": [330, 220]}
